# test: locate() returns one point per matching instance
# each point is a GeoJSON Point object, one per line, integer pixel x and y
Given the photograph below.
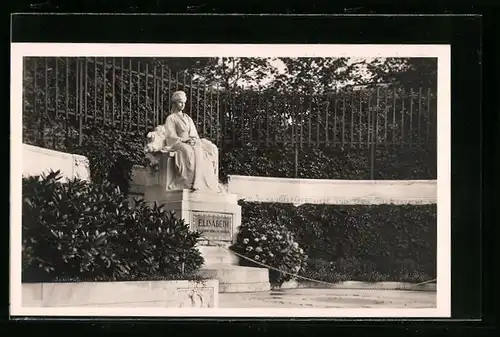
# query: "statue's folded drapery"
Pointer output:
{"type": "Point", "coordinates": [195, 164]}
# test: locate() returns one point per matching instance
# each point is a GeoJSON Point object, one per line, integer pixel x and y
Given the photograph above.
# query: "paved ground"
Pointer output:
{"type": "Point", "coordinates": [329, 298]}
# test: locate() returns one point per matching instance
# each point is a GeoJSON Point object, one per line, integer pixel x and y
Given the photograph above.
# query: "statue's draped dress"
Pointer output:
{"type": "Point", "coordinates": [195, 167]}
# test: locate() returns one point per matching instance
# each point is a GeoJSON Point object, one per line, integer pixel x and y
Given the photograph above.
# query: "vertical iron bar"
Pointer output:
{"type": "Point", "coordinates": [184, 80]}
{"type": "Point", "coordinates": [428, 112]}
{"type": "Point", "coordinates": [204, 109]}
{"type": "Point", "coordinates": [242, 118]}
{"type": "Point", "coordinates": [130, 94]}
{"type": "Point", "coordinates": [343, 122]}
{"type": "Point", "coordinates": [146, 97]}
{"type": "Point", "coordinates": [402, 116]}
{"type": "Point", "coordinates": [267, 123]}
{"type": "Point", "coordinates": [211, 114]}
{"type": "Point", "coordinates": [113, 93]}
{"type": "Point", "coordinates": [317, 121]}
{"type": "Point", "coordinates": [80, 114]}
{"type": "Point", "coordinates": [352, 120]}
{"type": "Point", "coordinates": [77, 85]}
{"type": "Point", "coordinates": [374, 137]}
{"type": "Point", "coordinates": [46, 97]}
{"type": "Point", "coordinates": [67, 90]}
{"type": "Point", "coordinates": [377, 115]}
{"type": "Point", "coordinates": [218, 115]}
{"type": "Point", "coordinates": [86, 88]}
{"type": "Point", "coordinates": [57, 87]}
{"type": "Point", "coordinates": [259, 100]}
{"type": "Point", "coordinates": [386, 110]}
{"type": "Point", "coordinates": [95, 90]}
{"type": "Point", "coordinates": [369, 118]}
{"type": "Point", "coordinates": [419, 113]}
{"type": "Point", "coordinates": [46, 92]}
{"type": "Point", "coordinates": [169, 96]}
{"type": "Point", "coordinates": [121, 92]}
{"type": "Point", "coordinates": [104, 73]}
{"type": "Point", "coordinates": [197, 103]}
{"type": "Point", "coordinates": [233, 118]}
{"type": "Point", "coordinates": [35, 105]}
{"type": "Point", "coordinates": [309, 121]}
{"type": "Point", "coordinates": [162, 94]}
{"type": "Point", "coordinates": [411, 118]}
{"type": "Point", "coordinates": [302, 119]}
{"type": "Point", "coordinates": [326, 119]}
{"type": "Point", "coordinates": [377, 109]}
{"type": "Point", "coordinates": [394, 117]}
{"type": "Point", "coordinates": [360, 126]}
{"type": "Point", "coordinates": [138, 109]}
{"type": "Point", "coordinates": [190, 95]}
{"type": "Point", "coordinates": [155, 97]}
{"type": "Point", "coordinates": [335, 101]}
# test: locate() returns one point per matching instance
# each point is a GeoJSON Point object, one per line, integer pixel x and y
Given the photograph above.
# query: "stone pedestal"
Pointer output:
{"type": "Point", "coordinates": [217, 216]}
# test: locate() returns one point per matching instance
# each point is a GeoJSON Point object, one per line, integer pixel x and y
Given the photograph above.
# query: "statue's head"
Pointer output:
{"type": "Point", "coordinates": [178, 100]}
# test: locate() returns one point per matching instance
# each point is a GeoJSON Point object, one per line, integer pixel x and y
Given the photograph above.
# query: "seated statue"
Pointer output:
{"type": "Point", "coordinates": [194, 160]}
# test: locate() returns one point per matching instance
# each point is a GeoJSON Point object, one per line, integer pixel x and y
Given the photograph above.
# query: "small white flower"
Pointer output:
{"type": "Point", "coordinates": [258, 250]}
{"type": "Point", "coordinates": [257, 257]}
{"type": "Point", "coordinates": [256, 239]}
{"type": "Point", "coordinates": [301, 251]}
{"type": "Point", "coordinates": [295, 245]}
{"type": "Point", "coordinates": [245, 240]}
{"type": "Point", "coordinates": [249, 248]}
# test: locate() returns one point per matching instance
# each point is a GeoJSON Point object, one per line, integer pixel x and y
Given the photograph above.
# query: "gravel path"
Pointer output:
{"type": "Point", "coordinates": [329, 298]}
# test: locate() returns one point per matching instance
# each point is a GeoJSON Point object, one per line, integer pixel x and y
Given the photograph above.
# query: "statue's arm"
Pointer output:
{"type": "Point", "coordinates": [171, 135]}
{"type": "Point", "coordinates": [193, 133]}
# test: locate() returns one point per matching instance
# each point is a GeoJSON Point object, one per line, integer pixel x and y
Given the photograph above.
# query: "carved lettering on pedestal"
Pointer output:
{"type": "Point", "coordinates": [213, 226]}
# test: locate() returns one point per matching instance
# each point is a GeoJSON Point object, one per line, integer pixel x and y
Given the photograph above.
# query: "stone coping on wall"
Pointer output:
{"type": "Point", "coordinates": [333, 191]}
{"type": "Point", "coordinates": [37, 160]}
{"type": "Point", "coordinates": [166, 294]}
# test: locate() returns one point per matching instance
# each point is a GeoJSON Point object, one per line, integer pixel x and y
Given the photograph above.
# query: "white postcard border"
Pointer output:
{"type": "Point", "coordinates": [442, 52]}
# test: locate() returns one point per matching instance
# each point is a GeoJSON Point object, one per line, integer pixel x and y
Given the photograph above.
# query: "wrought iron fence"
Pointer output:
{"type": "Point", "coordinates": [134, 94]}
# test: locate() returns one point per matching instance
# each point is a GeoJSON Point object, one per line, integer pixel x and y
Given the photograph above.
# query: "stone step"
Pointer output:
{"type": "Point", "coordinates": [217, 255]}
{"type": "Point", "coordinates": [237, 278]}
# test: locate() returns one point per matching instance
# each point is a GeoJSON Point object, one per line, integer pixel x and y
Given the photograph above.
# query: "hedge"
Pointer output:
{"type": "Point", "coordinates": [398, 163]}
{"type": "Point", "coordinates": [359, 242]}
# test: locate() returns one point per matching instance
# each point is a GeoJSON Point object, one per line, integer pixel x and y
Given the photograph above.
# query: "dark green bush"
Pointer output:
{"type": "Point", "coordinates": [358, 242]}
{"type": "Point", "coordinates": [79, 231]}
{"type": "Point", "coordinates": [112, 153]}
{"type": "Point", "coordinates": [271, 244]}
{"type": "Point", "coordinates": [417, 162]}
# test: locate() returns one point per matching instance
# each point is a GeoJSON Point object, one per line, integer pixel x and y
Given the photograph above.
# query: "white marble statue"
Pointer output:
{"type": "Point", "coordinates": [194, 159]}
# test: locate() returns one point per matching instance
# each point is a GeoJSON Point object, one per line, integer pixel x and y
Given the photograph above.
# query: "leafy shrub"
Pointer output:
{"type": "Point", "coordinates": [418, 162]}
{"type": "Point", "coordinates": [273, 245]}
{"type": "Point", "coordinates": [358, 242]}
{"type": "Point", "coordinates": [76, 230]}
{"type": "Point", "coordinates": [112, 153]}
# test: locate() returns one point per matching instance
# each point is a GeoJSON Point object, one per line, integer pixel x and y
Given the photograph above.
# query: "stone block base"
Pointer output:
{"type": "Point", "coordinates": [236, 279]}
{"type": "Point", "coordinates": [214, 255]}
